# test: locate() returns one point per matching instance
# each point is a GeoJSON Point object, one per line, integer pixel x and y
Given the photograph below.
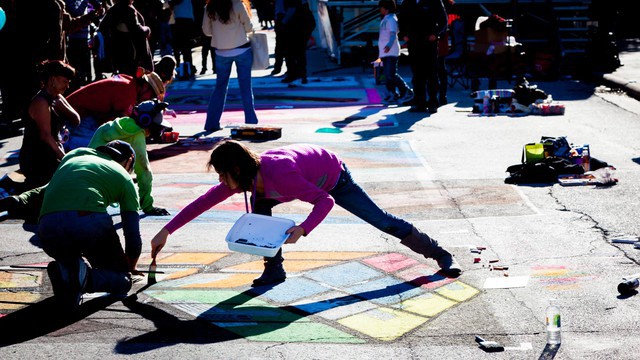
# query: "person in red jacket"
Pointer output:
{"type": "Point", "coordinates": [110, 98]}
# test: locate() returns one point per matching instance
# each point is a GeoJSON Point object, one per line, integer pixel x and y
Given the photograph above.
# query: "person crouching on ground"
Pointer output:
{"type": "Point", "coordinates": [74, 223]}
{"type": "Point", "coordinates": [304, 172]}
{"type": "Point", "coordinates": [145, 118]}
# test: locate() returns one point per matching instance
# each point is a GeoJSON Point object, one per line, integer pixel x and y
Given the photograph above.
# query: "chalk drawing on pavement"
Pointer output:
{"type": "Point", "coordinates": [559, 277]}
{"type": "Point", "coordinates": [332, 297]}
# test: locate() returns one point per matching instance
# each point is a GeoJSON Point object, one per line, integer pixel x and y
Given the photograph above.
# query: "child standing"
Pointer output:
{"type": "Point", "coordinates": [389, 52]}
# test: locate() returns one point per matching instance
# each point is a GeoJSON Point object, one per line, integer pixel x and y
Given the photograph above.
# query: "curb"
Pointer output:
{"type": "Point", "coordinates": [632, 88]}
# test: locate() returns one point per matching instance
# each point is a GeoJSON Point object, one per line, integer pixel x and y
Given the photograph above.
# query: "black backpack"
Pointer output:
{"type": "Point", "coordinates": [545, 171]}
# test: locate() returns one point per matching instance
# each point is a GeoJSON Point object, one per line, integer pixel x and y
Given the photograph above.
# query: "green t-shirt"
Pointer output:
{"type": "Point", "coordinates": [126, 129]}
{"type": "Point", "coordinates": [87, 180]}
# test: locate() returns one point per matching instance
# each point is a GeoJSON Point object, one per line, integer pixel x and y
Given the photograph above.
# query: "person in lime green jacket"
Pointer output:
{"type": "Point", "coordinates": [145, 118]}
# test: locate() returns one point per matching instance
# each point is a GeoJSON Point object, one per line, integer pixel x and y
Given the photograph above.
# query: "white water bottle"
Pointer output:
{"type": "Point", "coordinates": [553, 324]}
{"type": "Point", "coordinates": [485, 103]}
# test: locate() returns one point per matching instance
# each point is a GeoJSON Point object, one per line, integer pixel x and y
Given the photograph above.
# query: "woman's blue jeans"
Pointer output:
{"type": "Point", "coordinates": [219, 95]}
{"type": "Point", "coordinates": [354, 199]}
{"type": "Point", "coordinates": [68, 235]}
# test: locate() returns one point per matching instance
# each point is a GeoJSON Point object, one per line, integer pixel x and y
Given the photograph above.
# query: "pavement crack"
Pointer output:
{"type": "Point", "coordinates": [13, 255]}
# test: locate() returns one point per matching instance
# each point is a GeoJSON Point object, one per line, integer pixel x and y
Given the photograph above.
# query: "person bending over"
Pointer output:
{"type": "Point", "coordinates": [304, 172]}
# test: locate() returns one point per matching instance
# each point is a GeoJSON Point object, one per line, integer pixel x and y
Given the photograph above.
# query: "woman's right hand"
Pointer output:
{"type": "Point", "coordinates": [158, 242]}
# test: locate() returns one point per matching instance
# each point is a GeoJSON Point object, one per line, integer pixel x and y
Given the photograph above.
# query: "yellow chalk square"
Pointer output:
{"type": "Point", "coordinates": [457, 291]}
{"type": "Point", "coordinates": [427, 304]}
{"type": "Point", "coordinates": [383, 323]}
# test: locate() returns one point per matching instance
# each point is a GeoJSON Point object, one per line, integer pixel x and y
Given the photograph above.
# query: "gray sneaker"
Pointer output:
{"type": "Point", "coordinates": [390, 99]}
{"type": "Point", "coordinates": [408, 96]}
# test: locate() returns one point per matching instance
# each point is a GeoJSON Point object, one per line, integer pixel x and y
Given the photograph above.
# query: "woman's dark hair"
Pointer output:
{"type": "Point", "coordinates": [237, 161]}
{"type": "Point", "coordinates": [388, 4]}
{"type": "Point", "coordinates": [49, 68]}
{"type": "Point", "coordinates": [220, 10]}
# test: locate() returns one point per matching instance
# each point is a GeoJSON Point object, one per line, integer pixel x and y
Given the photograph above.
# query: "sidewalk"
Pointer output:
{"type": "Point", "coordinates": [626, 77]}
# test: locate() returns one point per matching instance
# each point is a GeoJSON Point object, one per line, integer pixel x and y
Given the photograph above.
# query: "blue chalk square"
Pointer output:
{"type": "Point", "coordinates": [386, 291]}
{"type": "Point", "coordinates": [344, 275]}
{"type": "Point", "coordinates": [291, 290]}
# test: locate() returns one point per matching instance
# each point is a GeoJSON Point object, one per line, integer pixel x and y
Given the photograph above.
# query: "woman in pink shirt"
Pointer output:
{"type": "Point", "coordinates": [304, 172]}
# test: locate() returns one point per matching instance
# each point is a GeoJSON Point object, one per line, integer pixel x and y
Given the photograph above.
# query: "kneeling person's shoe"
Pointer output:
{"type": "Point", "coordinates": [447, 262]}
{"type": "Point", "coordinates": [68, 284]}
{"type": "Point", "coordinates": [9, 204]}
{"type": "Point", "coordinates": [273, 274]}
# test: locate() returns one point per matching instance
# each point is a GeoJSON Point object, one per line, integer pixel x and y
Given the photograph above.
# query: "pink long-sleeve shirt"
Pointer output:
{"type": "Point", "coordinates": [302, 171]}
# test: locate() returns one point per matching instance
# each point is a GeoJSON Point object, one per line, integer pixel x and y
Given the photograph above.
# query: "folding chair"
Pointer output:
{"type": "Point", "coordinates": [456, 61]}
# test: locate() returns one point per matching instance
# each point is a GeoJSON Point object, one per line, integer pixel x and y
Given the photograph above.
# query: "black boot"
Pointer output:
{"type": "Point", "coordinates": [273, 271]}
{"type": "Point", "coordinates": [424, 245]}
{"type": "Point", "coordinates": [9, 203]}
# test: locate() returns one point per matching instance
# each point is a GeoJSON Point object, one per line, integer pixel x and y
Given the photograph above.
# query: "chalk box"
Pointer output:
{"type": "Point", "coordinates": [258, 234]}
{"type": "Point", "coordinates": [256, 133]}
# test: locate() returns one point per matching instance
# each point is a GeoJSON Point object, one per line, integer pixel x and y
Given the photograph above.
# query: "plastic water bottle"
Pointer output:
{"type": "Point", "coordinates": [553, 324]}
{"type": "Point", "coordinates": [485, 103]}
{"type": "Point", "coordinates": [586, 158]}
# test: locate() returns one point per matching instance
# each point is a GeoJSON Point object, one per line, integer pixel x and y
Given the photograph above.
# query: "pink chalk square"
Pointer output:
{"type": "Point", "coordinates": [391, 262]}
{"type": "Point", "coordinates": [425, 277]}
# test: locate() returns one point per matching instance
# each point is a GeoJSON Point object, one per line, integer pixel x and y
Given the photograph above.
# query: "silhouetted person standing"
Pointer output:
{"type": "Point", "coordinates": [422, 22]}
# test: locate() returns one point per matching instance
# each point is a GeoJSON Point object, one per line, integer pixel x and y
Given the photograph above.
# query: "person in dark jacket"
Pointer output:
{"type": "Point", "coordinates": [422, 22]}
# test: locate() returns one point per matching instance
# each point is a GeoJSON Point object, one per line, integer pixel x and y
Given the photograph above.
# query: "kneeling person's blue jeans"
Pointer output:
{"type": "Point", "coordinates": [68, 235]}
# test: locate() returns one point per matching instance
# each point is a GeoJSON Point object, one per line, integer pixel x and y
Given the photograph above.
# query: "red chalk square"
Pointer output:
{"type": "Point", "coordinates": [425, 277]}
{"type": "Point", "coordinates": [390, 262]}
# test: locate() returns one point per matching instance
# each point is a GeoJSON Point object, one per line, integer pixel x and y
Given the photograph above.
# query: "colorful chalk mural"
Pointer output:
{"type": "Point", "coordinates": [329, 297]}
{"type": "Point", "coordinates": [333, 297]}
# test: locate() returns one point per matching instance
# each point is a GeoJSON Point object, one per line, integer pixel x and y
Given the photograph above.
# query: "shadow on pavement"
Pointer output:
{"type": "Point", "coordinates": [549, 352]}
{"type": "Point", "coordinates": [44, 317]}
{"type": "Point", "coordinates": [399, 123]}
{"type": "Point", "coordinates": [170, 330]}
{"type": "Point", "coordinates": [177, 149]}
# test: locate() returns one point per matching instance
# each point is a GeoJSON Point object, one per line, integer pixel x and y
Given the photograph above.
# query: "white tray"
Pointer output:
{"type": "Point", "coordinates": [258, 234]}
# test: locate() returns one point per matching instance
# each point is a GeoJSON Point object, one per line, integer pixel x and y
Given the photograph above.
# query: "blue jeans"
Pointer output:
{"type": "Point", "coordinates": [219, 95]}
{"type": "Point", "coordinates": [393, 81]}
{"type": "Point", "coordinates": [81, 135]}
{"type": "Point", "coordinates": [354, 199]}
{"type": "Point", "coordinates": [68, 235]}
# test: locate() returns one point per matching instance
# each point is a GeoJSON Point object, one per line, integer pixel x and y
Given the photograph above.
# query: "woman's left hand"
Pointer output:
{"type": "Point", "coordinates": [294, 234]}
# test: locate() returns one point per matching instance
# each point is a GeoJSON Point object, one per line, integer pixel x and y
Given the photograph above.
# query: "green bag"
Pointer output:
{"type": "Point", "coordinates": [533, 153]}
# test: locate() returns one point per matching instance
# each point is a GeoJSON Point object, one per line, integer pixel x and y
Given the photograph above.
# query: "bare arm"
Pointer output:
{"type": "Point", "coordinates": [41, 114]}
{"type": "Point", "coordinates": [64, 109]}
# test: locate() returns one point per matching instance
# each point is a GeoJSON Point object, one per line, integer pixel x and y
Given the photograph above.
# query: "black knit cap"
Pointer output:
{"type": "Point", "coordinates": [118, 150]}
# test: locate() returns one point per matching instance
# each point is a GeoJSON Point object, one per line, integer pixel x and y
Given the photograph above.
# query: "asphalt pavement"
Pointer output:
{"type": "Point", "coordinates": [353, 292]}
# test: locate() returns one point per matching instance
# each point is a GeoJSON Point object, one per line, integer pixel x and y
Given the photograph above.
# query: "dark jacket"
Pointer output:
{"type": "Point", "coordinates": [418, 20]}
